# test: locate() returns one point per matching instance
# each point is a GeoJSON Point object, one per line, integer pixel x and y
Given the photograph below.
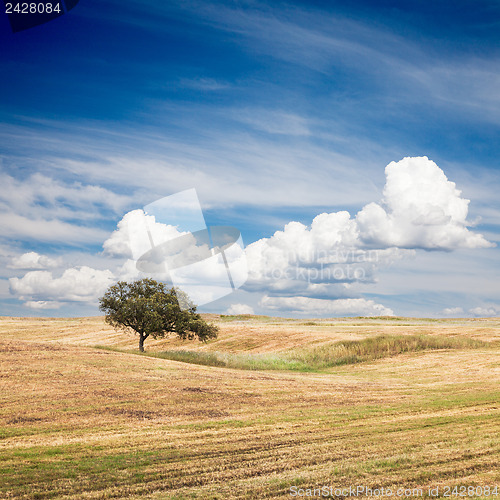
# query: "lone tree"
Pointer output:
{"type": "Point", "coordinates": [151, 309]}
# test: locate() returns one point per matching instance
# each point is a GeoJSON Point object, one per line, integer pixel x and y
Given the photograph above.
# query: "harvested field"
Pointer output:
{"type": "Point", "coordinates": [83, 422]}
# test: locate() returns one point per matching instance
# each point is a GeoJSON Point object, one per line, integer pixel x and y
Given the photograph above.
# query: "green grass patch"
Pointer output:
{"type": "Point", "coordinates": [369, 349]}
{"type": "Point", "coordinates": [318, 358]}
{"type": "Point", "coordinates": [237, 361]}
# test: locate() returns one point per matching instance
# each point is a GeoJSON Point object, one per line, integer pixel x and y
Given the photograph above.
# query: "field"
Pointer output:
{"type": "Point", "coordinates": [271, 408]}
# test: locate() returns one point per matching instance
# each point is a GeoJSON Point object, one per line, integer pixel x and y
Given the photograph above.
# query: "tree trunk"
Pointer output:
{"type": "Point", "coordinates": [141, 342]}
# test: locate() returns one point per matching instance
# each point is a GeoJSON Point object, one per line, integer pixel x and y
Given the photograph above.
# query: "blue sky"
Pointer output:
{"type": "Point", "coordinates": [276, 113]}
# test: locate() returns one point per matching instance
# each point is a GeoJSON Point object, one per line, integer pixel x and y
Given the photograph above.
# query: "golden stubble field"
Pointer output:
{"type": "Point", "coordinates": [84, 422]}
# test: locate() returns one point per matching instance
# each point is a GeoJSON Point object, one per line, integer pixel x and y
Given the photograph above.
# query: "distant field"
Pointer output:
{"type": "Point", "coordinates": [378, 403]}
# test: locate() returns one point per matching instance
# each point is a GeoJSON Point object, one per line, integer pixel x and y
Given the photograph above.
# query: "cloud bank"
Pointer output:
{"type": "Point", "coordinates": [305, 270]}
{"type": "Point", "coordinates": [41, 290]}
{"type": "Point", "coordinates": [33, 260]}
{"type": "Point", "coordinates": [420, 209]}
{"type": "Point", "coordinates": [492, 310]}
{"type": "Point", "coordinates": [321, 307]}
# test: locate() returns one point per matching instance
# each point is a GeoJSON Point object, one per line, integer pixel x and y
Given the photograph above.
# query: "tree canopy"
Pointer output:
{"type": "Point", "coordinates": [149, 308]}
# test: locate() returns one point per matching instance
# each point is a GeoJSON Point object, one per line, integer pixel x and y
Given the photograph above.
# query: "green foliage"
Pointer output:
{"type": "Point", "coordinates": [151, 309]}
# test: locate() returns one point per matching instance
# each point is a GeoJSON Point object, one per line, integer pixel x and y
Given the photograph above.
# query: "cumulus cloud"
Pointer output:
{"type": "Point", "coordinates": [486, 311]}
{"type": "Point", "coordinates": [421, 208]}
{"type": "Point", "coordinates": [131, 239]}
{"type": "Point", "coordinates": [136, 234]}
{"type": "Point", "coordinates": [82, 284]}
{"type": "Point", "coordinates": [304, 269]}
{"type": "Point", "coordinates": [33, 260]}
{"type": "Point", "coordinates": [322, 307]}
{"type": "Point", "coordinates": [128, 271]}
{"type": "Point", "coordinates": [311, 259]}
{"type": "Point", "coordinates": [240, 309]}
{"type": "Point", "coordinates": [452, 311]}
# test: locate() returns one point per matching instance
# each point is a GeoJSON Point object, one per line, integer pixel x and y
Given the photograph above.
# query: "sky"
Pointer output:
{"type": "Point", "coordinates": [353, 144]}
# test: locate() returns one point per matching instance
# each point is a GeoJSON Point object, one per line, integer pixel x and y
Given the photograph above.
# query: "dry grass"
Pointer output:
{"type": "Point", "coordinates": [251, 334]}
{"type": "Point", "coordinates": [79, 422]}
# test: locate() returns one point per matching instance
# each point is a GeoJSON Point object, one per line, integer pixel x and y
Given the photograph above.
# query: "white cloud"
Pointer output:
{"type": "Point", "coordinates": [240, 309]}
{"type": "Point", "coordinates": [29, 195]}
{"type": "Point", "coordinates": [230, 168]}
{"type": "Point", "coordinates": [43, 304]}
{"type": "Point", "coordinates": [33, 260]}
{"type": "Point", "coordinates": [322, 307]}
{"type": "Point", "coordinates": [452, 311]}
{"type": "Point", "coordinates": [327, 252]}
{"type": "Point", "coordinates": [421, 208]}
{"type": "Point", "coordinates": [131, 239]}
{"type": "Point", "coordinates": [487, 311]}
{"type": "Point", "coordinates": [17, 226]}
{"type": "Point", "coordinates": [82, 284]}
{"type": "Point", "coordinates": [43, 209]}
{"type": "Point", "coordinates": [128, 271]}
